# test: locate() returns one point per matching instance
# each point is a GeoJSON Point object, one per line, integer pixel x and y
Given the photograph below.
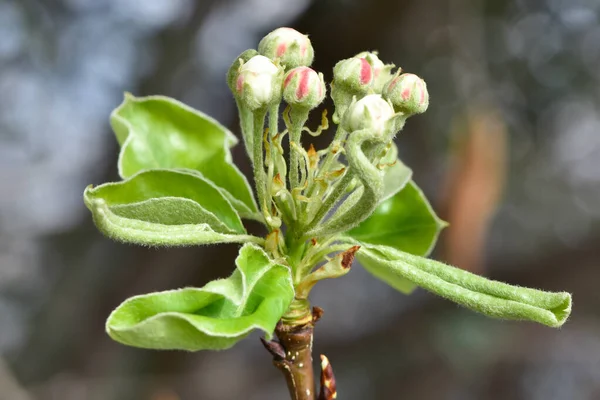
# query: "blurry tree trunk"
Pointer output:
{"type": "Point", "coordinates": [476, 174]}
{"type": "Point", "coordinates": [474, 186]}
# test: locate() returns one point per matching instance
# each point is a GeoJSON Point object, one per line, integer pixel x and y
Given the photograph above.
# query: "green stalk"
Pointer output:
{"type": "Point", "coordinates": [338, 139]}
{"type": "Point", "coordinates": [245, 115]}
{"type": "Point", "coordinates": [273, 119]}
{"type": "Point", "coordinates": [361, 166]}
{"type": "Point", "coordinates": [338, 191]}
{"type": "Point", "coordinates": [299, 116]}
{"type": "Point", "coordinates": [259, 161]}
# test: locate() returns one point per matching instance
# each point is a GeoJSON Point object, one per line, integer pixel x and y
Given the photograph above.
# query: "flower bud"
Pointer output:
{"type": "Point", "coordinates": [292, 48]}
{"type": "Point", "coordinates": [353, 74]}
{"type": "Point", "coordinates": [382, 73]}
{"type": "Point", "coordinates": [303, 87]}
{"type": "Point", "coordinates": [259, 82]}
{"type": "Point", "coordinates": [371, 112]}
{"type": "Point", "coordinates": [408, 93]}
{"type": "Point", "coordinates": [232, 73]}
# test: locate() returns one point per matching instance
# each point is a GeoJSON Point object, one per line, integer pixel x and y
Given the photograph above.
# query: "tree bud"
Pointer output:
{"type": "Point", "coordinates": [303, 87]}
{"type": "Point", "coordinates": [292, 48]}
{"type": "Point", "coordinates": [408, 93]}
{"type": "Point", "coordinates": [353, 74]}
{"type": "Point", "coordinates": [382, 73]}
{"type": "Point", "coordinates": [371, 112]}
{"type": "Point", "coordinates": [258, 82]}
{"type": "Point", "coordinates": [233, 72]}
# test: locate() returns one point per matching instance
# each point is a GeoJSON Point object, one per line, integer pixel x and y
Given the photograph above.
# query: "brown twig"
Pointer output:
{"type": "Point", "coordinates": [292, 355]}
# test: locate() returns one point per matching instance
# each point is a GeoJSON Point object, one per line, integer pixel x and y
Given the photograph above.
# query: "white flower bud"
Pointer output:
{"type": "Point", "coordinates": [259, 82]}
{"type": "Point", "coordinates": [234, 69]}
{"type": "Point", "coordinates": [371, 112]}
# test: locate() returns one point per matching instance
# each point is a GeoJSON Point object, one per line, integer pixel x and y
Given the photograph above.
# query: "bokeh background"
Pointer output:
{"type": "Point", "coordinates": [509, 153]}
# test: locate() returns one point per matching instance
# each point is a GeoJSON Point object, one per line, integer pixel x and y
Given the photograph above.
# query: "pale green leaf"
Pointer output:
{"type": "Point", "coordinates": [379, 270]}
{"type": "Point", "coordinates": [405, 221]}
{"type": "Point", "coordinates": [214, 317]}
{"type": "Point", "coordinates": [492, 298]}
{"type": "Point", "coordinates": [165, 207]}
{"type": "Point", "coordinates": [160, 132]}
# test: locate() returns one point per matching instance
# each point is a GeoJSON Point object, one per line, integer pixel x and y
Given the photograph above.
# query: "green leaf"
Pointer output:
{"type": "Point", "coordinates": [214, 317]}
{"type": "Point", "coordinates": [160, 132]}
{"type": "Point", "coordinates": [492, 298]}
{"type": "Point", "coordinates": [165, 207]}
{"type": "Point", "coordinates": [405, 221]}
{"type": "Point", "coordinates": [379, 270]}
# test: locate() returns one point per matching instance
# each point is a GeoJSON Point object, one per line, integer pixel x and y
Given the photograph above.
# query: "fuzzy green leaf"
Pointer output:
{"type": "Point", "coordinates": [214, 317]}
{"type": "Point", "coordinates": [160, 132]}
{"type": "Point", "coordinates": [405, 221]}
{"type": "Point", "coordinates": [492, 298]}
{"type": "Point", "coordinates": [376, 268]}
{"type": "Point", "coordinates": [165, 207]}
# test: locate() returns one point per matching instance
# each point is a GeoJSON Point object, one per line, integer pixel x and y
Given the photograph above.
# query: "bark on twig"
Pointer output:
{"type": "Point", "coordinates": [328, 387]}
{"type": "Point", "coordinates": [292, 355]}
{"type": "Point", "coordinates": [297, 365]}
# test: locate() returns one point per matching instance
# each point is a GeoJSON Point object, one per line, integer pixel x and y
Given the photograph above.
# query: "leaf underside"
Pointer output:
{"type": "Point", "coordinates": [164, 207]}
{"type": "Point", "coordinates": [492, 298]}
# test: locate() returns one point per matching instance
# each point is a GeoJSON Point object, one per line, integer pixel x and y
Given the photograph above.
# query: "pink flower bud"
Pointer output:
{"type": "Point", "coordinates": [303, 87]}
{"type": "Point", "coordinates": [381, 72]}
{"type": "Point", "coordinates": [292, 48]}
{"type": "Point", "coordinates": [259, 82]}
{"type": "Point", "coordinates": [353, 74]}
{"type": "Point", "coordinates": [408, 93]}
{"type": "Point", "coordinates": [371, 112]}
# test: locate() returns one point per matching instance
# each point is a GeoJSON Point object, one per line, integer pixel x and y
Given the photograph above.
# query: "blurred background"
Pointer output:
{"type": "Point", "coordinates": [508, 152]}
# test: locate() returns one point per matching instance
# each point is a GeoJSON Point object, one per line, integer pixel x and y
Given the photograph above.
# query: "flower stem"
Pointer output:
{"type": "Point", "coordinates": [338, 191]}
{"type": "Point", "coordinates": [298, 119]}
{"type": "Point", "coordinates": [258, 157]}
{"type": "Point", "coordinates": [245, 116]}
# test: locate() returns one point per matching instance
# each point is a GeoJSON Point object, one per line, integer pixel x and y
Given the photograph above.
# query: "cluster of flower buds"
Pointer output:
{"type": "Point", "coordinates": [365, 74]}
{"type": "Point", "coordinates": [371, 104]}
{"type": "Point", "coordinates": [257, 77]}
